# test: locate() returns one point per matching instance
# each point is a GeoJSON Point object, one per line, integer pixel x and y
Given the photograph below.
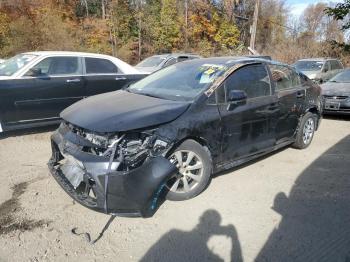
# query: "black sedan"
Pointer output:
{"type": "Point", "coordinates": [336, 93]}
{"type": "Point", "coordinates": [165, 135]}
{"type": "Point", "coordinates": [35, 87]}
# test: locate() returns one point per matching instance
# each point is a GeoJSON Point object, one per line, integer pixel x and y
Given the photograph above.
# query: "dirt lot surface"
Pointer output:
{"type": "Point", "coordinates": [289, 206]}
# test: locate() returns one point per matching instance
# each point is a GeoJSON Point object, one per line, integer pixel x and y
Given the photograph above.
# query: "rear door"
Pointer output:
{"type": "Point", "coordinates": [102, 76]}
{"type": "Point", "coordinates": [291, 96]}
{"type": "Point", "coordinates": [44, 96]}
{"type": "Point", "coordinates": [248, 128]}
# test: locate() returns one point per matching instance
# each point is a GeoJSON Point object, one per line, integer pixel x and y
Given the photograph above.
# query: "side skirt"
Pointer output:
{"type": "Point", "coordinates": [240, 161]}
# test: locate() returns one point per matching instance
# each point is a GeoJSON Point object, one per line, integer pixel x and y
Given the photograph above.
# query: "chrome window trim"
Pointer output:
{"type": "Point", "coordinates": [49, 76]}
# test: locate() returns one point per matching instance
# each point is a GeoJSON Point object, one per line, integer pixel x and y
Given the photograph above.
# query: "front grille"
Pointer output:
{"type": "Point", "coordinates": [336, 97]}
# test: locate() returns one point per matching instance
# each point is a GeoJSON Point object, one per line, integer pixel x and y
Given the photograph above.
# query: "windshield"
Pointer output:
{"type": "Point", "coordinates": [309, 65]}
{"type": "Point", "coordinates": [180, 82]}
{"type": "Point", "coordinates": [343, 77]}
{"type": "Point", "coordinates": [12, 65]}
{"type": "Point", "coordinates": [152, 61]}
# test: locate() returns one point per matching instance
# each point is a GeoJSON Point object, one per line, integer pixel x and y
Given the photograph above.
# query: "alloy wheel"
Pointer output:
{"type": "Point", "coordinates": [308, 130]}
{"type": "Point", "coordinates": [190, 173]}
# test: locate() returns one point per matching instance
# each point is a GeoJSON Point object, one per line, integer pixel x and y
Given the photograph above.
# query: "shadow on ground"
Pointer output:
{"type": "Point", "coordinates": [177, 245]}
{"type": "Point", "coordinates": [315, 223]}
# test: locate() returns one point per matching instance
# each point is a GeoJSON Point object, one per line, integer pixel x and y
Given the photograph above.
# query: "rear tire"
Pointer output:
{"type": "Point", "coordinates": [195, 167]}
{"type": "Point", "coordinates": [306, 131]}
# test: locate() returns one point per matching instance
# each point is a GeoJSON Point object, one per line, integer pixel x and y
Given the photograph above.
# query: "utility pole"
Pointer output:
{"type": "Point", "coordinates": [103, 9]}
{"type": "Point", "coordinates": [186, 24]}
{"type": "Point", "coordinates": [253, 28]}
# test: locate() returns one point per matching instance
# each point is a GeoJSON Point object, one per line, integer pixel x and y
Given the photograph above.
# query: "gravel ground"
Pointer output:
{"type": "Point", "coordinates": [289, 206]}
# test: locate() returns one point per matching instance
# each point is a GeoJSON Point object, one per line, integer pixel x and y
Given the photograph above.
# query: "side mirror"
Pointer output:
{"type": "Point", "coordinates": [325, 70]}
{"type": "Point", "coordinates": [34, 72]}
{"type": "Point", "coordinates": [236, 98]}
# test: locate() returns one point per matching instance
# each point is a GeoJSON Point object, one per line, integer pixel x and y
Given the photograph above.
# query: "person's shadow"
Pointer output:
{"type": "Point", "coordinates": [177, 245]}
{"type": "Point", "coordinates": [315, 223]}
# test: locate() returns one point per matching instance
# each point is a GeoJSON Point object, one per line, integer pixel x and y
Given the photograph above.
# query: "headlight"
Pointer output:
{"type": "Point", "coordinates": [160, 146]}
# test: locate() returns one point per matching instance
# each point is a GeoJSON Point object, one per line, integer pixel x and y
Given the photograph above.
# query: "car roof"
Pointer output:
{"type": "Point", "coordinates": [234, 60]}
{"type": "Point", "coordinates": [71, 53]}
{"type": "Point", "coordinates": [175, 55]}
{"type": "Point", "coordinates": [319, 59]}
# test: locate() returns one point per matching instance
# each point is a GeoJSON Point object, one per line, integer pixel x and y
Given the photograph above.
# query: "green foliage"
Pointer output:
{"type": "Point", "coordinates": [340, 12]}
{"type": "Point", "coordinates": [132, 28]}
{"type": "Point", "coordinates": [169, 27]}
{"type": "Point", "coordinates": [227, 35]}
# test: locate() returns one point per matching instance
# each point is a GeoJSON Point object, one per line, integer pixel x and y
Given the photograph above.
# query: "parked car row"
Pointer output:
{"type": "Point", "coordinates": [162, 135]}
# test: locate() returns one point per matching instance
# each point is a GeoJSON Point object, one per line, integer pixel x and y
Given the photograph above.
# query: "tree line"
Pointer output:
{"type": "Point", "coordinates": [135, 29]}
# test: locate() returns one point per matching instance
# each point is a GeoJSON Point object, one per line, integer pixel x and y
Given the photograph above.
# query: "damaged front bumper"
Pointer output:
{"type": "Point", "coordinates": [91, 180]}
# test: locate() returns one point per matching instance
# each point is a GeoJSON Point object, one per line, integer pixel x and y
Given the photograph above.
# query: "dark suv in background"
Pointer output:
{"type": "Point", "coordinates": [166, 135]}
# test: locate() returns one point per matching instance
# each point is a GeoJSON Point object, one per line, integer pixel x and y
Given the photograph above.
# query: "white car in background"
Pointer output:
{"type": "Point", "coordinates": [36, 86]}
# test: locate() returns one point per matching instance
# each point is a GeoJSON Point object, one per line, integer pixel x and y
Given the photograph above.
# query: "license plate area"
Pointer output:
{"type": "Point", "coordinates": [331, 105]}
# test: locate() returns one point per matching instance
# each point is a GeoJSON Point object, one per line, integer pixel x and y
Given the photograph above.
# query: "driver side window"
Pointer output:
{"type": "Point", "coordinates": [252, 79]}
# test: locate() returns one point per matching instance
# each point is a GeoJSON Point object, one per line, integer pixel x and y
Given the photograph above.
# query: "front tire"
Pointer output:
{"type": "Point", "coordinates": [195, 167]}
{"type": "Point", "coordinates": [306, 131]}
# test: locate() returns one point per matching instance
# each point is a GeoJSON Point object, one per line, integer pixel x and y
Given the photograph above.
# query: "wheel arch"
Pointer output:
{"type": "Point", "coordinates": [314, 110]}
{"type": "Point", "coordinates": [199, 140]}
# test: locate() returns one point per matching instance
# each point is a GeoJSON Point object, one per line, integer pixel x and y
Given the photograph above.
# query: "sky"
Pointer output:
{"type": "Point", "coordinates": [298, 6]}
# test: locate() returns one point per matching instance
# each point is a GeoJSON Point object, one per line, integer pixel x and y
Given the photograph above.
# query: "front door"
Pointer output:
{"type": "Point", "coordinates": [247, 128]}
{"type": "Point", "coordinates": [57, 85]}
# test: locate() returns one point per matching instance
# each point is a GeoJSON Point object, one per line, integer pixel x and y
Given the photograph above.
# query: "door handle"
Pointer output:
{"type": "Point", "coordinates": [76, 80]}
{"type": "Point", "coordinates": [120, 78]}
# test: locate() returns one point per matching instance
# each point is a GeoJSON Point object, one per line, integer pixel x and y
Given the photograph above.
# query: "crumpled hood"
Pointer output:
{"type": "Point", "coordinates": [122, 111]}
{"type": "Point", "coordinates": [336, 89]}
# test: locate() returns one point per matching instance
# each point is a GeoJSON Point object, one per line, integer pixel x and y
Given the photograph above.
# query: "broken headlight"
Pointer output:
{"type": "Point", "coordinates": [135, 148]}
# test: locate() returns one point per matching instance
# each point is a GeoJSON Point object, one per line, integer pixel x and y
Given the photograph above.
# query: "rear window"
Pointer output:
{"type": "Point", "coordinates": [100, 66]}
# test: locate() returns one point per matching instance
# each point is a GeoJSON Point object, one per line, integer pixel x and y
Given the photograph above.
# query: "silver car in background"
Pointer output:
{"type": "Point", "coordinates": [156, 62]}
{"type": "Point", "coordinates": [319, 70]}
